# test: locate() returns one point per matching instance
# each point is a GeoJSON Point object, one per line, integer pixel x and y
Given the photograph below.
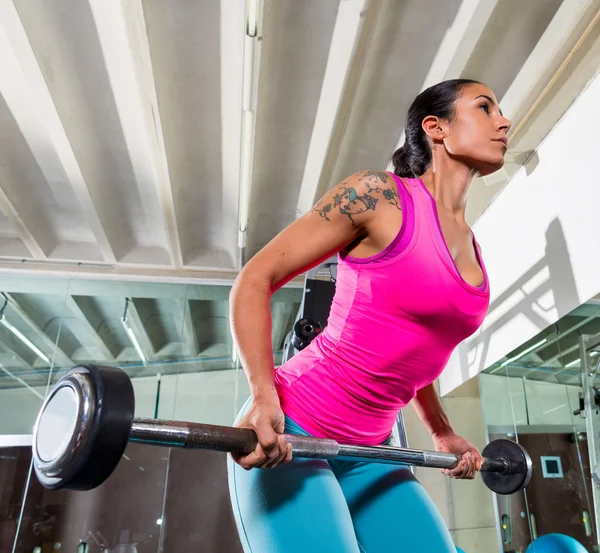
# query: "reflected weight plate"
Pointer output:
{"type": "Point", "coordinates": [83, 428]}
{"type": "Point", "coordinates": [520, 467]}
{"type": "Point", "coordinates": [304, 332]}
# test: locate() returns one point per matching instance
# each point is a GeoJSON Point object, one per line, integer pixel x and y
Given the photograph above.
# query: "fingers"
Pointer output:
{"type": "Point", "coordinates": [274, 447]}
{"type": "Point", "coordinates": [274, 454]}
{"type": "Point", "coordinates": [466, 468]}
{"type": "Point", "coordinates": [267, 439]}
{"type": "Point", "coordinates": [283, 449]}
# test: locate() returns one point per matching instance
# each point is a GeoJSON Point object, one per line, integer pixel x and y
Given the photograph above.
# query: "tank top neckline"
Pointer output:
{"type": "Point", "coordinates": [446, 255]}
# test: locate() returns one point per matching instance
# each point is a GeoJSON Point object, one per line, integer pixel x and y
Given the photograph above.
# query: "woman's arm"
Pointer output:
{"type": "Point", "coordinates": [308, 241]}
{"type": "Point", "coordinates": [429, 407]}
{"type": "Point", "coordinates": [341, 217]}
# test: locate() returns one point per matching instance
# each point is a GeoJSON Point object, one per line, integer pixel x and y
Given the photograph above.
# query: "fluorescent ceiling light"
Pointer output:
{"type": "Point", "coordinates": [251, 17]}
{"type": "Point", "coordinates": [524, 352]}
{"type": "Point", "coordinates": [133, 339]}
{"type": "Point", "coordinates": [245, 175]}
{"type": "Point", "coordinates": [572, 363]}
{"type": "Point", "coordinates": [25, 340]}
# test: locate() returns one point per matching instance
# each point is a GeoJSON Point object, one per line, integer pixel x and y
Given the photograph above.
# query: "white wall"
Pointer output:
{"type": "Point", "coordinates": [211, 397]}
{"type": "Point", "coordinates": [539, 240]}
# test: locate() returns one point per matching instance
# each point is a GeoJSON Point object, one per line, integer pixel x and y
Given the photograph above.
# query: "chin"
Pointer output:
{"type": "Point", "coordinates": [490, 166]}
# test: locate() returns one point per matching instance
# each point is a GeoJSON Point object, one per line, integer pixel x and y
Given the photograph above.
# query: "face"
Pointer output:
{"type": "Point", "coordinates": [477, 135]}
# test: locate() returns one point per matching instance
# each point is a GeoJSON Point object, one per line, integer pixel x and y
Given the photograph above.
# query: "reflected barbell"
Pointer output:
{"type": "Point", "coordinates": [87, 420]}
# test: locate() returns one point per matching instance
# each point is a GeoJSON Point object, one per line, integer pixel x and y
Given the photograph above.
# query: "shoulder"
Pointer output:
{"type": "Point", "coordinates": [369, 187]}
{"type": "Point", "coordinates": [382, 179]}
{"type": "Point", "coordinates": [370, 181]}
{"type": "Point", "coordinates": [372, 178]}
{"type": "Point", "coordinates": [359, 195]}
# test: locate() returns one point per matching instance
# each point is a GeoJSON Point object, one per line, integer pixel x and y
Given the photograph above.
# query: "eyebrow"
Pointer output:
{"type": "Point", "coordinates": [490, 101]}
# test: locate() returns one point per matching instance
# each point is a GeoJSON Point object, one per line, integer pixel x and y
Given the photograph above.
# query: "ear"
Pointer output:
{"type": "Point", "coordinates": [434, 127]}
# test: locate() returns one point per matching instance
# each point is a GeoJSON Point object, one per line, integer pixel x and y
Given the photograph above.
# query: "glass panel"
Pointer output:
{"type": "Point", "coordinates": [589, 409]}
{"type": "Point", "coordinates": [536, 397]}
{"type": "Point", "coordinates": [32, 343]}
{"type": "Point", "coordinates": [14, 472]}
{"type": "Point", "coordinates": [123, 512]}
{"type": "Point", "coordinates": [136, 327]}
{"type": "Point", "coordinates": [210, 389]}
{"type": "Point", "coordinates": [174, 343]}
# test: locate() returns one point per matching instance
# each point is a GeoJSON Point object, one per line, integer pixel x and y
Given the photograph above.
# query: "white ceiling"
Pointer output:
{"type": "Point", "coordinates": [121, 124]}
{"type": "Point", "coordinates": [120, 120]}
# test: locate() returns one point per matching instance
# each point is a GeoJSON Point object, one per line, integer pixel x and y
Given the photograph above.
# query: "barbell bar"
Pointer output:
{"type": "Point", "coordinates": [87, 420]}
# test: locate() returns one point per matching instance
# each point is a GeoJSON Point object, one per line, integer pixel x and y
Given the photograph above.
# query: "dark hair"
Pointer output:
{"type": "Point", "coordinates": [414, 158]}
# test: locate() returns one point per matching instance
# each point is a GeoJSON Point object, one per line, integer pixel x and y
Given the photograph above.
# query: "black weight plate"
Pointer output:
{"type": "Point", "coordinates": [94, 458]}
{"type": "Point", "coordinates": [304, 332]}
{"type": "Point", "coordinates": [521, 467]}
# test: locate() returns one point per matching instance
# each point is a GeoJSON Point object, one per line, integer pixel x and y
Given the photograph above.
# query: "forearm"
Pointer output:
{"type": "Point", "coordinates": [250, 315]}
{"type": "Point", "coordinates": [429, 407]}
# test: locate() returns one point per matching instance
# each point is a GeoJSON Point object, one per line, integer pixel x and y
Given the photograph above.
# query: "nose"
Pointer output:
{"type": "Point", "coordinates": [504, 125]}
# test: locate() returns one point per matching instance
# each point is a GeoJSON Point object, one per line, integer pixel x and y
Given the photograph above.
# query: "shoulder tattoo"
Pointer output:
{"type": "Point", "coordinates": [389, 192]}
{"type": "Point", "coordinates": [349, 202]}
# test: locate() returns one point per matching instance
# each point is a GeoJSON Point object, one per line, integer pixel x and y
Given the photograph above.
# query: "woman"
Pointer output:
{"type": "Point", "coordinates": [411, 285]}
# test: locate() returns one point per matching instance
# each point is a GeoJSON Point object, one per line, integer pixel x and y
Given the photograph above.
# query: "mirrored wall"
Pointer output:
{"type": "Point", "coordinates": [175, 344]}
{"type": "Point", "coordinates": [544, 395]}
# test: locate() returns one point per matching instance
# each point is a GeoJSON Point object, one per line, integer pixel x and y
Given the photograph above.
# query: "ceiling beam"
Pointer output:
{"type": "Point", "coordinates": [554, 358]}
{"type": "Point", "coordinates": [18, 360]}
{"type": "Point", "coordinates": [123, 40]}
{"type": "Point", "coordinates": [38, 269]}
{"type": "Point", "coordinates": [24, 231]}
{"type": "Point", "coordinates": [24, 89]}
{"type": "Point", "coordinates": [460, 41]}
{"type": "Point", "coordinates": [18, 99]}
{"type": "Point", "coordinates": [58, 358]}
{"type": "Point", "coordinates": [188, 332]}
{"type": "Point", "coordinates": [85, 332]}
{"type": "Point", "coordinates": [140, 47]}
{"type": "Point", "coordinates": [352, 33]}
{"type": "Point", "coordinates": [551, 51]}
{"type": "Point", "coordinates": [355, 28]}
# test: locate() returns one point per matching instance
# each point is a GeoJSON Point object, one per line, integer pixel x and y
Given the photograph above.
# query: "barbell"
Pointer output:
{"type": "Point", "coordinates": [87, 420]}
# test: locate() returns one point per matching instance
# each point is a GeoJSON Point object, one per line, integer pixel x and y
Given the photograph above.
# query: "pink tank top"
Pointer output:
{"type": "Point", "coordinates": [395, 319]}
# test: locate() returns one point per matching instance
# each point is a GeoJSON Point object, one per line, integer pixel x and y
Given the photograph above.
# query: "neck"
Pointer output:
{"type": "Point", "coordinates": [449, 181]}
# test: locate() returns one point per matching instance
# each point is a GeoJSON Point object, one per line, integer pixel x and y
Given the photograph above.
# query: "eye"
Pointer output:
{"type": "Point", "coordinates": [485, 107]}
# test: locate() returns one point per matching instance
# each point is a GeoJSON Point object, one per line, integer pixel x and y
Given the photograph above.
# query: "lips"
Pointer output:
{"type": "Point", "coordinates": [504, 140]}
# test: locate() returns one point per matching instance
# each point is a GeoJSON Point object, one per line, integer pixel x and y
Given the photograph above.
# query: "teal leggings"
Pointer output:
{"type": "Point", "coordinates": [318, 506]}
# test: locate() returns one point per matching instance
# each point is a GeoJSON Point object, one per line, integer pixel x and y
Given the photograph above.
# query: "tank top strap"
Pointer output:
{"type": "Point", "coordinates": [420, 201]}
{"type": "Point", "coordinates": [404, 195]}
